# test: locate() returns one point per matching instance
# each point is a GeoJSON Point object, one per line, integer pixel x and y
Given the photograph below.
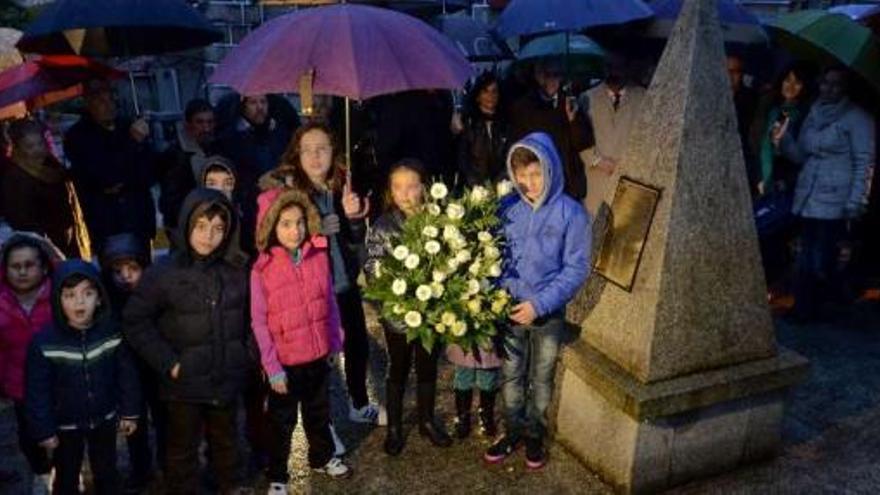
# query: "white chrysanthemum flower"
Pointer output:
{"type": "Point", "coordinates": [474, 306]}
{"type": "Point", "coordinates": [432, 247]}
{"type": "Point", "coordinates": [484, 236]}
{"type": "Point", "coordinates": [438, 276]}
{"type": "Point", "coordinates": [473, 287]}
{"type": "Point", "coordinates": [398, 287]}
{"type": "Point", "coordinates": [434, 209]}
{"type": "Point", "coordinates": [413, 319]}
{"type": "Point", "coordinates": [502, 295]}
{"type": "Point", "coordinates": [440, 328]}
{"type": "Point", "coordinates": [455, 211]}
{"type": "Point", "coordinates": [459, 328]}
{"type": "Point", "coordinates": [479, 194]}
{"type": "Point", "coordinates": [498, 306]}
{"type": "Point", "coordinates": [439, 191]}
{"type": "Point", "coordinates": [451, 232]}
{"type": "Point", "coordinates": [400, 252]}
{"type": "Point", "coordinates": [484, 284]}
{"type": "Point", "coordinates": [437, 290]}
{"type": "Point", "coordinates": [412, 261]}
{"type": "Point", "coordinates": [423, 293]}
{"type": "Point", "coordinates": [452, 263]}
{"type": "Point", "coordinates": [448, 318]}
{"type": "Point", "coordinates": [463, 256]}
{"type": "Point", "coordinates": [492, 252]}
{"type": "Point", "coordinates": [474, 269]}
{"type": "Point", "coordinates": [430, 231]}
{"type": "Point", "coordinates": [457, 243]}
{"type": "Point", "coordinates": [397, 309]}
{"type": "Point", "coordinates": [504, 188]}
{"type": "Point", "coordinates": [495, 270]}
{"type": "Point", "coordinates": [377, 269]}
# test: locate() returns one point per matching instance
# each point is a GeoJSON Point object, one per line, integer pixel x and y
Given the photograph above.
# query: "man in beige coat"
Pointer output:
{"type": "Point", "coordinates": [613, 107]}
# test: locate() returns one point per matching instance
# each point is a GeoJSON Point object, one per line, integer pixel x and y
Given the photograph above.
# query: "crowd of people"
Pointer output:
{"type": "Point", "coordinates": [269, 232]}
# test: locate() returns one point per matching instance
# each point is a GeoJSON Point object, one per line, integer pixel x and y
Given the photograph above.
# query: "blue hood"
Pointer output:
{"type": "Point", "coordinates": [541, 144]}
{"type": "Point", "coordinates": [66, 270]}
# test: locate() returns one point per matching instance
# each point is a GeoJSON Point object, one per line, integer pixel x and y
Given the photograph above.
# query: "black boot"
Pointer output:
{"type": "Point", "coordinates": [463, 399]}
{"type": "Point", "coordinates": [428, 424]}
{"type": "Point", "coordinates": [487, 413]}
{"type": "Point", "coordinates": [394, 405]}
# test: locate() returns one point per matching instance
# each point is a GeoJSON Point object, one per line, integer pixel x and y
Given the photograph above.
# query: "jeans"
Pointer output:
{"type": "Point", "coordinates": [187, 422]}
{"type": "Point", "coordinates": [817, 263]}
{"type": "Point", "coordinates": [307, 386]}
{"type": "Point", "coordinates": [68, 458]}
{"type": "Point", "coordinates": [527, 375]}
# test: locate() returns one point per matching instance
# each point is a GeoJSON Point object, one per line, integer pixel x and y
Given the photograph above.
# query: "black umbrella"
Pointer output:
{"type": "Point", "coordinates": [473, 38]}
{"type": "Point", "coordinates": [117, 28]}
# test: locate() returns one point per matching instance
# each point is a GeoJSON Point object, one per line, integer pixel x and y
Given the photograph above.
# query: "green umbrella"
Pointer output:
{"type": "Point", "coordinates": [581, 57]}
{"type": "Point", "coordinates": [831, 39]}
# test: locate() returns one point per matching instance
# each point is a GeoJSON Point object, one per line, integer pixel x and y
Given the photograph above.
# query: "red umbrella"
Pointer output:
{"type": "Point", "coordinates": [50, 79]}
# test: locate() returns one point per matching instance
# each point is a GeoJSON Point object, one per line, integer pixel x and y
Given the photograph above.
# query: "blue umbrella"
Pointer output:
{"type": "Point", "coordinates": [113, 28]}
{"type": "Point", "coordinates": [738, 25]}
{"type": "Point", "coordinates": [579, 55]}
{"type": "Point", "coordinates": [473, 38]}
{"type": "Point", "coordinates": [524, 17]}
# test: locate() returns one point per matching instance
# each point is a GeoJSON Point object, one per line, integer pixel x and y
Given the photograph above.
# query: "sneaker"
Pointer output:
{"type": "Point", "coordinates": [277, 489]}
{"type": "Point", "coordinates": [502, 448]}
{"type": "Point", "coordinates": [370, 413]}
{"type": "Point", "coordinates": [536, 456]}
{"type": "Point", "coordinates": [338, 446]}
{"type": "Point", "coordinates": [335, 468]}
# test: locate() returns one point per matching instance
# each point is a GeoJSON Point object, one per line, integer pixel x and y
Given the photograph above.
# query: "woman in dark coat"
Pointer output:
{"type": "Point", "coordinates": [483, 142]}
{"type": "Point", "coordinates": [35, 193]}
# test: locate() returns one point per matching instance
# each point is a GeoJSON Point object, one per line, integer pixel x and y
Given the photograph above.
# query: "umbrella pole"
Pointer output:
{"type": "Point", "coordinates": [348, 133]}
{"type": "Point", "coordinates": [134, 94]}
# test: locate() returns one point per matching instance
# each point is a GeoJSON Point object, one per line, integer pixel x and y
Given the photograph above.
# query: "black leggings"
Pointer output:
{"type": "Point", "coordinates": [400, 358]}
{"type": "Point", "coordinates": [357, 346]}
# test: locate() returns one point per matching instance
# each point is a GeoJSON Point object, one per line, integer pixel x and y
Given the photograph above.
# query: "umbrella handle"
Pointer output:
{"type": "Point", "coordinates": [134, 95]}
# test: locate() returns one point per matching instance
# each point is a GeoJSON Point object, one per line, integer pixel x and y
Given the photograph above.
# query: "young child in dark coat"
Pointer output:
{"type": "Point", "coordinates": [81, 385]}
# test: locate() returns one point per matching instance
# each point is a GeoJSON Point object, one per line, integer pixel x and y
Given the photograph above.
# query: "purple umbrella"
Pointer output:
{"type": "Point", "coordinates": [356, 51]}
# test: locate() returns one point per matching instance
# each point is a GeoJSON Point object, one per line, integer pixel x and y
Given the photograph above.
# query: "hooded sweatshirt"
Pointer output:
{"type": "Point", "coordinates": [18, 326]}
{"type": "Point", "coordinates": [77, 379]}
{"type": "Point", "coordinates": [191, 310]}
{"type": "Point", "coordinates": [120, 247]}
{"type": "Point", "coordinates": [293, 307]}
{"type": "Point", "coordinates": [547, 256]}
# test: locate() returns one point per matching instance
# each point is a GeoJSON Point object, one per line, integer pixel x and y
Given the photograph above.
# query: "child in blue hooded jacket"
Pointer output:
{"type": "Point", "coordinates": [547, 260]}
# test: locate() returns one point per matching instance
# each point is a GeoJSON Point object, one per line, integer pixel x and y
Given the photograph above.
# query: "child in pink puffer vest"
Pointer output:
{"type": "Point", "coordinates": [296, 323]}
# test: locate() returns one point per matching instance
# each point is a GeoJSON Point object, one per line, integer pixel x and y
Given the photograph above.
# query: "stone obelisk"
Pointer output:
{"type": "Point", "coordinates": [680, 376]}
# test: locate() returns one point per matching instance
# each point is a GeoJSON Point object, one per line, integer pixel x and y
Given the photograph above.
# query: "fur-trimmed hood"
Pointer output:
{"type": "Point", "coordinates": [272, 202]}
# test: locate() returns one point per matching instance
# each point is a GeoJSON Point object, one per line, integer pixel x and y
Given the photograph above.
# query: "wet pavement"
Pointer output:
{"type": "Point", "coordinates": [831, 434]}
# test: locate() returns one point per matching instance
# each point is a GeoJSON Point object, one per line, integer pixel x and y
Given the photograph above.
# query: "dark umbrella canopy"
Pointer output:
{"type": "Point", "coordinates": [117, 28]}
{"type": "Point", "coordinates": [738, 24]}
{"type": "Point", "coordinates": [524, 17]}
{"type": "Point", "coordinates": [473, 38]}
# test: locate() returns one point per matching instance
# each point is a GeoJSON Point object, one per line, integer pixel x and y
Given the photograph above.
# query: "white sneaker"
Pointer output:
{"type": "Point", "coordinates": [369, 413]}
{"type": "Point", "coordinates": [277, 489]}
{"type": "Point", "coordinates": [42, 484]}
{"type": "Point", "coordinates": [338, 446]}
{"type": "Point", "coordinates": [335, 468]}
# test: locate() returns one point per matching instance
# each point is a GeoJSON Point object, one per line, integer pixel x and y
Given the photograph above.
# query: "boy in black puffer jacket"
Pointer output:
{"type": "Point", "coordinates": [188, 319]}
{"type": "Point", "coordinates": [80, 381]}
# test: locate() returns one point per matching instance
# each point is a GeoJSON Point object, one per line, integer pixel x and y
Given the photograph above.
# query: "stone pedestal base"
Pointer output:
{"type": "Point", "coordinates": [648, 437]}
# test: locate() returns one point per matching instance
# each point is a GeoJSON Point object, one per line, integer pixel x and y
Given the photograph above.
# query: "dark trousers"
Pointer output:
{"type": "Point", "coordinates": [357, 346]}
{"type": "Point", "coordinates": [400, 359]}
{"type": "Point", "coordinates": [307, 386]}
{"type": "Point", "coordinates": [68, 458]}
{"type": "Point", "coordinates": [257, 430]}
{"type": "Point", "coordinates": [36, 456]}
{"type": "Point", "coordinates": [186, 423]}
{"type": "Point", "coordinates": [153, 412]}
{"type": "Point", "coordinates": [817, 263]}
